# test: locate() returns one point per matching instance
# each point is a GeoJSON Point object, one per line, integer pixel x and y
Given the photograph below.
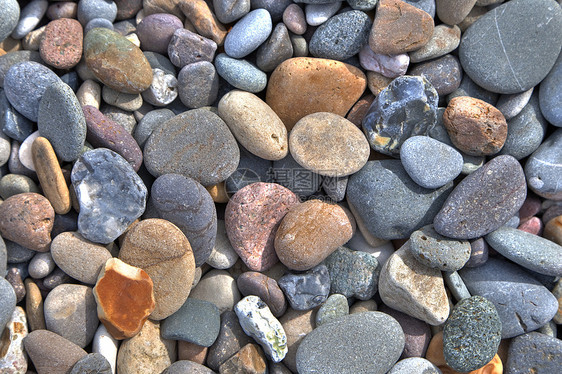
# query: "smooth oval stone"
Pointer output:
{"type": "Point", "coordinates": [266, 288]}
{"type": "Point", "coordinates": [228, 11]}
{"type": "Point", "coordinates": [9, 18]}
{"type": "Point", "coordinates": [160, 248]}
{"type": "Point", "coordinates": [188, 144]}
{"type": "Point", "coordinates": [444, 73]}
{"type": "Point", "coordinates": [14, 57]}
{"type": "Point", "coordinates": [99, 22]}
{"type": "Point", "coordinates": [342, 36]}
{"type": "Point", "coordinates": [51, 353]}
{"type": "Point", "coordinates": [445, 39]}
{"type": "Point", "coordinates": [70, 311]}
{"type": "Point", "coordinates": [484, 200]}
{"type": "Point", "coordinates": [197, 322]}
{"type": "Point", "coordinates": [543, 168]}
{"type": "Point", "coordinates": [61, 120]}
{"type": "Point", "coordinates": [436, 251]}
{"type": "Point", "coordinates": [219, 288]}
{"type": "Point", "coordinates": [61, 43]}
{"type": "Point", "coordinates": [252, 218]}
{"type": "Point", "coordinates": [123, 101]}
{"type": "Point", "coordinates": [29, 18]}
{"type": "Point", "coordinates": [90, 9]}
{"type": "Point", "coordinates": [105, 344]}
{"type": "Point", "coordinates": [306, 290]}
{"type": "Point", "coordinates": [534, 352]}
{"type": "Point", "coordinates": [41, 265]}
{"type": "Point", "coordinates": [198, 84]}
{"type": "Point", "coordinates": [550, 94]}
{"type": "Point", "coordinates": [24, 85]}
{"type": "Point", "coordinates": [522, 302]}
{"type": "Point", "coordinates": [116, 62]}
{"type": "Point", "coordinates": [240, 73]}
{"type": "Point", "coordinates": [380, 184]}
{"type": "Point", "coordinates": [111, 195]}
{"type": "Point", "coordinates": [414, 365]}
{"type": "Point", "coordinates": [254, 124]}
{"type": "Point", "coordinates": [155, 31]}
{"type": "Point", "coordinates": [374, 340]}
{"type": "Point", "coordinates": [92, 363]}
{"type": "Point", "coordinates": [511, 105]}
{"type": "Point", "coordinates": [530, 251]}
{"type": "Point", "coordinates": [16, 253]}
{"type": "Point", "coordinates": [13, 184]}
{"type": "Point", "coordinates": [407, 107]}
{"type": "Point", "coordinates": [275, 50]}
{"type": "Point", "coordinates": [430, 163]}
{"type": "Point", "coordinates": [151, 121]}
{"type": "Point", "coordinates": [328, 144]}
{"type": "Point", "coordinates": [325, 85]}
{"type": "Point", "coordinates": [317, 14]}
{"type": "Point", "coordinates": [248, 33]}
{"type": "Point", "coordinates": [8, 303]}
{"type": "Point", "coordinates": [472, 334]}
{"type": "Point", "coordinates": [187, 204]}
{"type": "Point", "coordinates": [223, 255]}
{"type": "Point", "coordinates": [294, 19]}
{"type": "Point", "coordinates": [495, 62]}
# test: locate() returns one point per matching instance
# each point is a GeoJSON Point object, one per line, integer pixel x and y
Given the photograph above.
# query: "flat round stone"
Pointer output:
{"type": "Point", "coordinates": [61, 44]}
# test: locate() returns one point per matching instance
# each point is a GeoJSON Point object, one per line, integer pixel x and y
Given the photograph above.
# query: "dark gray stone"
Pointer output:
{"type": "Point", "coordinates": [469, 88]}
{"type": "Point", "coordinates": [274, 7]}
{"type": "Point", "coordinates": [197, 322]}
{"type": "Point", "coordinates": [543, 168]}
{"type": "Point", "coordinates": [240, 73]}
{"type": "Point", "coordinates": [9, 18]}
{"type": "Point", "coordinates": [187, 204]}
{"type": "Point", "coordinates": [342, 36]}
{"type": "Point", "coordinates": [522, 302]}
{"type": "Point", "coordinates": [12, 123]}
{"type": "Point", "coordinates": [251, 169]}
{"type": "Point", "coordinates": [472, 334]}
{"type": "Point", "coordinates": [550, 94]}
{"type": "Point", "coordinates": [353, 273]}
{"type": "Point", "coordinates": [335, 187]}
{"type": "Point", "coordinates": [275, 50]}
{"type": "Point", "coordinates": [90, 9]}
{"type": "Point", "coordinates": [111, 195]}
{"type": "Point", "coordinates": [185, 366]}
{"type": "Point", "coordinates": [490, 50]}
{"type": "Point", "coordinates": [534, 353]}
{"type": "Point", "coordinates": [7, 302]}
{"type": "Point", "coordinates": [444, 73]}
{"type": "Point", "coordinates": [150, 122]}
{"type": "Point", "coordinates": [414, 365]}
{"type": "Point", "coordinates": [530, 251]}
{"type": "Point", "coordinates": [427, 6]}
{"type": "Point", "coordinates": [24, 85]}
{"type": "Point", "coordinates": [374, 340]}
{"type": "Point", "coordinates": [390, 204]}
{"type": "Point", "coordinates": [407, 107]}
{"type": "Point", "coordinates": [187, 47]}
{"type": "Point", "coordinates": [93, 363]}
{"type": "Point", "coordinates": [231, 339]}
{"type": "Point", "coordinates": [248, 33]}
{"type": "Point", "coordinates": [56, 278]}
{"type": "Point", "coordinates": [228, 11]}
{"type": "Point", "coordinates": [198, 84]}
{"type": "Point", "coordinates": [17, 253]}
{"type": "Point", "coordinates": [288, 173]}
{"type": "Point", "coordinates": [483, 201]}
{"type": "Point", "coordinates": [306, 290]}
{"type": "Point", "coordinates": [13, 58]}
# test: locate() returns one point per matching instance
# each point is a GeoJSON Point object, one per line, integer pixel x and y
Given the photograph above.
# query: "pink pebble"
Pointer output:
{"type": "Point", "coordinates": [531, 225]}
{"type": "Point", "coordinates": [391, 66]}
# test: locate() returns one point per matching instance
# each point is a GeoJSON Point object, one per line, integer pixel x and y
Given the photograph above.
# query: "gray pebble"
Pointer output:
{"type": "Point", "coordinates": [469, 88]}
{"type": "Point", "coordinates": [56, 278]}
{"type": "Point", "coordinates": [90, 9]}
{"type": "Point", "coordinates": [198, 84]}
{"type": "Point", "coordinates": [93, 363]}
{"type": "Point", "coordinates": [29, 18]}
{"type": "Point", "coordinates": [121, 100]}
{"type": "Point", "coordinates": [163, 90]}
{"type": "Point", "coordinates": [98, 22]}
{"type": "Point", "coordinates": [9, 59]}
{"type": "Point", "coordinates": [240, 73]}
{"type": "Point", "coordinates": [300, 45]}
{"type": "Point", "coordinates": [17, 253]}
{"type": "Point", "coordinates": [511, 105]}
{"type": "Point", "coordinates": [275, 50]}
{"type": "Point", "coordinates": [7, 302]}
{"type": "Point", "coordinates": [318, 13]}
{"type": "Point", "coordinates": [228, 11]}
{"type": "Point", "coordinates": [41, 265]}
{"type": "Point", "coordinates": [158, 61]}
{"type": "Point", "coordinates": [187, 47]}
{"type": "Point", "coordinates": [15, 165]}
{"type": "Point", "coordinates": [414, 365]}
{"type": "Point", "coordinates": [534, 352]}
{"type": "Point", "coordinates": [12, 123]}
{"type": "Point", "coordinates": [335, 187]}
{"type": "Point", "coordinates": [13, 184]}
{"type": "Point", "coordinates": [8, 18]}
{"type": "Point", "coordinates": [306, 290]}
{"type": "Point", "coordinates": [550, 94]}
{"type": "Point", "coordinates": [455, 284]}
{"type": "Point", "coordinates": [364, 5]}
{"type": "Point", "coordinates": [231, 339]}
{"type": "Point", "coordinates": [120, 116]}
{"type": "Point", "coordinates": [543, 168]}
{"type": "Point", "coordinates": [150, 122]}
{"type": "Point", "coordinates": [436, 251]}
{"type": "Point", "coordinates": [185, 366]}
{"type": "Point", "coordinates": [335, 306]}
{"type": "Point", "coordinates": [427, 6]}
{"type": "Point", "coordinates": [248, 33]}
{"type": "Point", "coordinates": [445, 39]}
{"type": "Point", "coordinates": [444, 73]}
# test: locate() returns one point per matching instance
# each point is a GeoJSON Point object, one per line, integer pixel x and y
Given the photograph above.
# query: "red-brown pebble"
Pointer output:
{"type": "Point", "coordinates": [61, 45]}
{"type": "Point", "coordinates": [531, 225]}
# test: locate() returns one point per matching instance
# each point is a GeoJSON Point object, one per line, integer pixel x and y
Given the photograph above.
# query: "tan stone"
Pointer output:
{"type": "Point", "coordinates": [249, 359]}
{"type": "Point", "coordinates": [10, 44]}
{"type": "Point", "coordinates": [218, 193]}
{"type": "Point", "coordinates": [377, 82]}
{"type": "Point", "coordinates": [553, 230]}
{"type": "Point", "coordinates": [50, 175]}
{"type": "Point", "coordinates": [162, 250]}
{"type": "Point", "coordinates": [192, 352]}
{"type": "Point", "coordinates": [297, 324]}
{"type": "Point", "coordinates": [34, 306]}
{"type": "Point", "coordinates": [217, 287]}
{"type": "Point", "coordinates": [204, 20]}
{"type": "Point", "coordinates": [306, 85]}
{"type": "Point", "coordinates": [32, 41]}
{"type": "Point", "coordinates": [362, 306]}
{"type": "Point", "coordinates": [310, 232]}
{"type": "Point", "coordinates": [161, 6]}
{"type": "Point", "coordinates": [89, 93]}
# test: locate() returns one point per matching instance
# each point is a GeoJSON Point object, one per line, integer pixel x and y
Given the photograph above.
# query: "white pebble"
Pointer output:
{"type": "Point", "coordinates": [30, 17]}
{"type": "Point", "coordinates": [25, 155]}
{"type": "Point", "coordinates": [41, 265]}
{"type": "Point", "coordinates": [106, 345]}
{"type": "Point", "coordinates": [317, 14]}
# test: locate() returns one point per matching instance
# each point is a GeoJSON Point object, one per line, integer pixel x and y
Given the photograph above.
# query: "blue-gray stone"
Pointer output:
{"type": "Point", "coordinates": [7, 302]}
{"type": "Point", "coordinates": [512, 105]}
{"type": "Point", "coordinates": [158, 61]}
{"type": "Point", "coordinates": [444, 73]}
{"type": "Point", "coordinates": [543, 168]}
{"type": "Point", "coordinates": [9, 18]}
{"type": "Point", "coordinates": [525, 131]}
{"type": "Point", "coordinates": [364, 5]}
{"type": "Point", "coordinates": [522, 302]}
{"type": "Point", "coordinates": [306, 290]}
{"type": "Point", "coordinates": [275, 50]}
{"type": "Point", "coordinates": [248, 33]}
{"type": "Point", "coordinates": [187, 204]}
{"type": "Point", "coordinates": [335, 306]}
{"type": "Point", "coordinates": [240, 73]}
{"type": "Point", "coordinates": [274, 7]}
{"type": "Point", "coordinates": [469, 88]}
{"type": "Point", "coordinates": [90, 9]}
{"type": "Point", "coordinates": [472, 334]}
{"type": "Point", "coordinates": [197, 322]}
{"type": "Point", "coordinates": [185, 366]}
{"type": "Point", "coordinates": [414, 365]}
{"type": "Point", "coordinates": [288, 173]}
{"type": "Point", "coordinates": [150, 122]}
{"type": "Point", "coordinates": [14, 57]}
{"type": "Point", "coordinates": [342, 36]}
{"type": "Point", "coordinates": [550, 94]}
{"type": "Point", "coordinates": [491, 53]}
{"type": "Point", "coordinates": [30, 16]}
{"type": "Point", "coordinates": [98, 22]}
{"type": "Point", "coordinates": [198, 84]}
{"type": "Point", "coordinates": [25, 83]}
{"type": "Point", "coordinates": [353, 273]}
{"type": "Point", "coordinates": [111, 195]}
{"type": "Point", "coordinates": [335, 187]}
{"type": "Point", "coordinates": [390, 204]}
{"type": "Point", "coordinates": [534, 353]}
{"type": "Point", "coordinates": [3, 258]}
{"type": "Point", "coordinates": [251, 169]}
{"type": "Point", "coordinates": [407, 107]}
{"type": "Point", "coordinates": [436, 251]}
{"type": "Point", "coordinates": [427, 6]}
{"type": "Point", "coordinates": [513, 221]}
{"type": "Point", "coordinates": [455, 284]}
{"type": "Point", "coordinates": [369, 342]}
{"type": "Point", "coordinates": [72, 80]}
{"type": "Point", "coordinates": [228, 11]}
{"type": "Point", "coordinates": [61, 120]}
{"type": "Point", "coordinates": [93, 363]}
{"type": "Point", "coordinates": [483, 201]}
{"type": "Point", "coordinates": [12, 123]}
{"type": "Point", "coordinates": [530, 251]}
{"type": "Point", "coordinates": [430, 163]}
{"type": "Point", "coordinates": [17, 253]}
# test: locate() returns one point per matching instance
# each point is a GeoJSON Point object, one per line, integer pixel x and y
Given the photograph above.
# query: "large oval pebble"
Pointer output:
{"type": "Point", "coordinates": [51, 353]}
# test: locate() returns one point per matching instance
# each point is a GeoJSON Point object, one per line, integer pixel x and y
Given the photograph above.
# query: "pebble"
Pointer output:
{"type": "Point", "coordinates": [541, 166]}
{"type": "Point", "coordinates": [493, 62]}
{"type": "Point", "coordinates": [186, 144]}
{"type": "Point", "coordinates": [341, 36]}
{"type": "Point", "coordinates": [105, 213]}
{"type": "Point", "coordinates": [300, 45]}
{"type": "Point", "coordinates": [429, 162]}
{"type": "Point", "coordinates": [197, 321]}
{"type": "Point", "coordinates": [34, 306]}
{"type": "Point", "coordinates": [483, 201]}
{"type": "Point", "coordinates": [374, 339]}
{"type": "Point", "coordinates": [163, 89]}
{"type": "Point", "coordinates": [438, 252]}
{"type": "Point", "coordinates": [104, 23]}
{"type": "Point", "coordinates": [122, 67]}
{"type": "Point", "coordinates": [414, 365]}
{"type": "Point", "coordinates": [455, 285]}
{"type": "Point", "coordinates": [61, 43]}
{"type": "Point", "coordinates": [27, 219]}
{"type": "Point", "coordinates": [453, 14]}
{"type": "Point", "coordinates": [93, 362]}
{"type": "Point", "coordinates": [228, 11]}
{"type": "Point", "coordinates": [391, 66]}
{"type": "Point", "coordinates": [294, 19]}
{"type": "Point", "coordinates": [288, 173]}
{"type": "Point", "coordinates": [155, 31]}
{"type": "Point", "coordinates": [319, 12]}
{"type": "Point", "coordinates": [90, 9]}
{"type": "Point", "coordinates": [231, 339]}
{"type": "Point", "coordinates": [240, 73]}
{"type": "Point", "coordinates": [8, 303]}
{"type": "Point", "coordinates": [198, 84]}
{"type": "Point", "coordinates": [89, 93]}
{"type": "Point", "coordinates": [127, 102]}
{"type": "Point", "coordinates": [445, 39]}
{"type": "Point", "coordinates": [41, 265]}
{"type": "Point", "coordinates": [17, 253]}
{"type": "Point", "coordinates": [523, 303]}
{"type": "Point", "coordinates": [219, 288]}
{"type": "Point", "coordinates": [266, 288]}
{"type": "Point", "coordinates": [187, 47]}
{"type": "Point", "coordinates": [335, 187]}
{"type": "Point", "coordinates": [553, 230]}
{"type": "Point", "coordinates": [550, 94]}
{"type": "Point", "coordinates": [160, 248]}
{"type": "Point", "coordinates": [14, 277]}
{"type": "Point", "coordinates": [123, 118]}
{"type": "Point", "coordinates": [187, 204]}
{"type": "Point", "coordinates": [469, 88]}
{"type": "Point", "coordinates": [254, 124]}
{"type": "Point", "coordinates": [56, 278]}
{"type": "Point", "coordinates": [444, 73]}
{"type": "Point", "coordinates": [146, 351]}
{"type": "Point", "coordinates": [511, 105]}
{"type": "Point", "coordinates": [353, 273]}
{"type": "Point", "coordinates": [25, 152]}
{"type": "Point", "coordinates": [310, 232]}
{"type": "Point", "coordinates": [13, 359]}
{"type": "Point", "coordinates": [9, 18]}
{"type": "Point", "coordinates": [13, 184]}
{"type": "Point", "coordinates": [534, 352]}
{"type": "Point", "coordinates": [248, 33]}
{"type": "Point", "coordinates": [326, 85]}
{"type": "Point", "coordinates": [412, 288]}
{"type": "Point", "coordinates": [51, 353]}
{"type": "Point", "coordinates": [70, 311]}
{"type": "Point", "coordinates": [407, 98]}
{"type": "Point", "coordinates": [150, 122]}
{"type": "Point", "coordinates": [276, 49]}
{"type": "Point", "coordinates": [223, 256]}
{"type": "Point", "coordinates": [328, 144]}
{"type": "Point", "coordinates": [104, 344]}
{"type": "Point", "coordinates": [204, 20]}
{"type": "Point", "coordinates": [29, 18]}
{"type": "Point", "coordinates": [334, 307]}
{"type": "Point", "coordinates": [307, 290]}
{"type": "Point", "coordinates": [389, 185]}
{"type": "Point", "coordinates": [185, 366]}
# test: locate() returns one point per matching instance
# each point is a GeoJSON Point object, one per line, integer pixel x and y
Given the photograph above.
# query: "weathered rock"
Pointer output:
{"type": "Point", "coordinates": [51, 353]}
{"type": "Point", "coordinates": [306, 290]}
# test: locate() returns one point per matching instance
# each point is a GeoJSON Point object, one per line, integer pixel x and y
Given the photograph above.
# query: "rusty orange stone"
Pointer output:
{"type": "Point", "coordinates": [125, 298]}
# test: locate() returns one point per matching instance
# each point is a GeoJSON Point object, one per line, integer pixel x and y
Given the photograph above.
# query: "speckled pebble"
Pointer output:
{"type": "Point", "coordinates": [241, 74]}
{"type": "Point", "coordinates": [335, 306]}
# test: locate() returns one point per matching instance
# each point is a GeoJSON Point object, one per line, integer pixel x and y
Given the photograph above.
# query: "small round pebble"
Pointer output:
{"type": "Point", "coordinates": [248, 33]}
{"type": "Point", "coordinates": [41, 265]}
{"type": "Point", "coordinates": [335, 306]}
{"type": "Point", "coordinates": [240, 73]}
{"type": "Point", "coordinates": [90, 9]}
{"type": "Point", "coordinates": [13, 184]}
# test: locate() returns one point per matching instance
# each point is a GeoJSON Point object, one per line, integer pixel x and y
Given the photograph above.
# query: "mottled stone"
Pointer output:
{"type": "Point", "coordinates": [155, 31]}
{"type": "Point", "coordinates": [541, 169]}
{"type": "Point", "coordinates": [51, 353]}
{"type": "Point", "coordinates": [306, 290]}
{"type": "Point", "coordinates": [92, 363]}
{"type": "Point", "coordinates": [266, 288]}
{"type": "Point", "coordinates": [9, 18]}
{"type": "Point", "coordinates": [445, 39]}
{"type": "Point", "coordinates": [187, 47]}
{"type": "Point", "coordinates": [228, 11]}
{"type": "Point", "coordinates": [534, 352]}
{"type": "Point", "coordinates": [61, 44]}
{"type": "Point", "coordinates": [198, 84]}
{"type": "Point", "coordinates": [13, 184]}
{"type": "Point", "coordinates": [436, 251]}
{"type": "Point", "coordinates": [276, 49]}
{"type": "Point", "coordinates": [13, 358]}
{"type": "Point", "coordinates": [334, 307]}
{"type": "Point", "coordinates": [414, 365]}
{"type": "Point", "coordinates": [444, 73]}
